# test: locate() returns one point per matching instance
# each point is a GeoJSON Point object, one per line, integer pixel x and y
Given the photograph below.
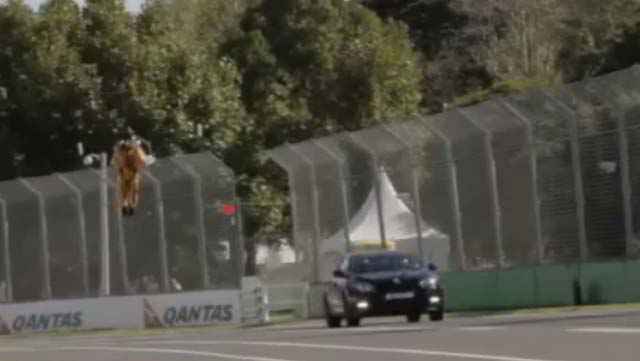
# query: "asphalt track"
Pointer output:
{"type": "Point", "coordinates": [612, 335]}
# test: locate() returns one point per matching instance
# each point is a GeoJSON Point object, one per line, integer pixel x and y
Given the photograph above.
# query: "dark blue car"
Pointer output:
{"type": "Point", "coordinates": [383, 284]}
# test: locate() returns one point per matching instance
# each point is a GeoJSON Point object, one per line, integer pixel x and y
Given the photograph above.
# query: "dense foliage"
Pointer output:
{"type": "Point", "coordinates": [254, 74]}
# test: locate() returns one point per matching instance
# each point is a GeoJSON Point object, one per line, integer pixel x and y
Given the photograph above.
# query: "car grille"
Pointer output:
{"type": "Point", "coordinates": [388, 286]}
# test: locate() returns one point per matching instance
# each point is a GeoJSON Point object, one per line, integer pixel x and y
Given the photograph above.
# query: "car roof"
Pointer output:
{"type": "Point", "coordinates": [377, 253]}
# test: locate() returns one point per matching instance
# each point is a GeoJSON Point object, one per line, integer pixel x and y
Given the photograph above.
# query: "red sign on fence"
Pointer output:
{"type": "Point", "coordinates": [229, 209]}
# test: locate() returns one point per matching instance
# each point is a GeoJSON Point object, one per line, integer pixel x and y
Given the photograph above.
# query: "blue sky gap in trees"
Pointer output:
{"type": "Point", "coordinates": [132, 5]}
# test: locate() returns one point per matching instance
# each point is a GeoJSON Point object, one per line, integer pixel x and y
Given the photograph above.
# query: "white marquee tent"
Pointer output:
{"type": "Point", "coordinates": [400, 228]}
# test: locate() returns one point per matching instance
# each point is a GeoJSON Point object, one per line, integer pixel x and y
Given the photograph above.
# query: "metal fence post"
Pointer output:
{"type": "Point", "coordinates": [455, 201]}
{"type": "Point", "coordinates": [82, 230]}
{"type": "Point", "coordinates": [200, 225]}
{"type": "Point", "coordinates": [162, 238]}
{"type": "Point", "coordinates": [122, 249]}
{"type": "Point", "coordinates": [577, 178]}
{"type": "Point", "coordinates": [344, 196]}
{"type": "Point", "coordinates": [316, 215]}
{"type": "Point", "coordinates": [493, 180]}
{"type": "Point", "coordinates": [533, 168]}
{"type": "Point", "coordinates": [44, 238]}
{"type": "Point", "coordinates": [377, 188]}
{"type": "Point", "coordinates": [293, 197]}
{"type": "Point", "coordinates": [626, 184]}
{"type": "Point", "coordinates": [239, 226]}
{"type": "Point", "coordinates": [6, 249]}
{"type": "Point", "coordinates": [105, 281]}
{"type": "Point", "coordinates": [415, 190]}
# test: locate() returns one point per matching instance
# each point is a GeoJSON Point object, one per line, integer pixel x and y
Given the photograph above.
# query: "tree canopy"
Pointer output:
{"type": "Point", "coordinates": [253, 74]}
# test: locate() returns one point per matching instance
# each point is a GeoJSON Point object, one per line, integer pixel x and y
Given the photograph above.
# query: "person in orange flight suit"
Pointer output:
{"type": "Point", "coordinates": [129, 159]}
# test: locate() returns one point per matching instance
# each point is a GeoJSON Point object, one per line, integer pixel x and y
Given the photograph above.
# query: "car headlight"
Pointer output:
{"type": "Point", "coordinates": [431, 282]}
{"type": "Point", "coordinates": [362, 287]}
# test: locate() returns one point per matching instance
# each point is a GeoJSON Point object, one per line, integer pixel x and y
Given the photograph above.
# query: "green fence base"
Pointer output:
{"type": "Point", "coordinates": [542, 286]}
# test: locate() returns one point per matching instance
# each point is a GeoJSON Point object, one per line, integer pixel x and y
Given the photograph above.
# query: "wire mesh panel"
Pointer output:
{"type": "Point", "coordinates": [120, 281]}
{"type": "Point", "coordinates": [616, 102]}
{"type": "Point", "coordinates": [633, 137]}
{"type": "Point", "coordinates": [395, 178]}
{"type": "Point", "coordinates": [88, 183]}
{"type": "Point", "coordinates": [224, 248]}
{"type": "Point", "coordinates": [629, 96]}
{"type": "Point", "coordinates": [302, 210]}
{"type": "Point", "coordinates": [363, 197]}
{"type": "Point", "coordinates": [439, 194]}
{"type": "Point", "coordinates": [430, 197]}
{"type": "Point", "coordinates": [181, 226]}
{"type": "Point", "coordinates": [52, 230]}
{"type": "Point", "coordinates": [25, 242]}
{"type": "Point", "coordinates": [510, 148]}
{"type": "Point", "coordinates": [6, 280]}
{"type": "Point", "coordinates": [329, 201]}
{"type": "Point", "coordinates": [401, 157]}
{"type": "Point", "coordinates": [600, 163]}
{"type": "Point", "coordinates": [142, 239]}
{"type": "Point", "coordinates": [369, 181]}
{"type": "Point", "coordinates": [327, 179]}
{"type": "Point", "coordinates": [65, 240]}
{"type": "Point", "coordinates": [474, 186]}
{"type": "Point", "coordinates": [621, 89]}
{"type": "Point", "coordinates": [551, 123]}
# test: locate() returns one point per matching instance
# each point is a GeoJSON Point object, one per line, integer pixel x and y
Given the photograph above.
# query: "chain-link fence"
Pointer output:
{"type": "Point", "coordinates": [547, 176]}
{"type": "Point", "coordinates": [183, 236]}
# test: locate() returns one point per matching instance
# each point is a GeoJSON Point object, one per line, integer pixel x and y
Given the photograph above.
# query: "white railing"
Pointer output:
{"type": "Point", "coordinates": [254, 302]}
{"type": "Point", "coordinates": [292, 297]}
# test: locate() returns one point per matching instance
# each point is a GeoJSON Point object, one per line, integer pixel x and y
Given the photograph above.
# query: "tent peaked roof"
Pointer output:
{"type": "Point", "coordinates": [399, 220]}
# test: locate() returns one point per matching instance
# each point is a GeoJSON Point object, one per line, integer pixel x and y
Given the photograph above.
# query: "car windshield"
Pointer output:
{"type": "Point", "coordinates": [382, 263]}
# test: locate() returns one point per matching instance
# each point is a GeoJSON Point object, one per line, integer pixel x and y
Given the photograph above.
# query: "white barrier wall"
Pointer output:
{"type": "Point", "coordinates": [79, 314]}
{"type": "Point", "coordinates": [191, 309]}
{"type": "Point", "coordinates": [148, 311]}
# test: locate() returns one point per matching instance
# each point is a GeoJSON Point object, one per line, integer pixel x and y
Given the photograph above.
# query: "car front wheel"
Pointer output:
{"type": "Point", "coordinates": [353, 322]}
{"type": "Point", "coordinates": [413, 317]}
{"type": "Point", "coordinates": [436, 315]}
{"type": "Point", "coordinates": [332, 321]}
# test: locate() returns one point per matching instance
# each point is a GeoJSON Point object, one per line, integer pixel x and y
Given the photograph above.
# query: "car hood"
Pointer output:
{"type": "Point", "coordinates": [375, 277]}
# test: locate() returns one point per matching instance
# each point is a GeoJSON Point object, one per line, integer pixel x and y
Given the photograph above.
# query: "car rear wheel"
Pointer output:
{"type": "Point", "coordinates": [436, 315]}
{"type": "Point", "coordinates": [413, 317]}
{"type": "Point", "coordinates": [353, 322]}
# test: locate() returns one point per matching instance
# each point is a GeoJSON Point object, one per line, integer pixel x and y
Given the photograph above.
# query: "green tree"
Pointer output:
{"type": "Point", "coordinates": [600, 37]}
{"type": "Point", "coordinates": [311, 68]}
{"type": "Point", "coordinates": [16, 42]}
{"type": "Point", "coordinates": [182, 83]}
{"type": "Point", "coordinates": [108, 45]}
{"type": "Point", "coordinates": [449, 67]}
{"type": "Point", "coordinates": [49, 91]}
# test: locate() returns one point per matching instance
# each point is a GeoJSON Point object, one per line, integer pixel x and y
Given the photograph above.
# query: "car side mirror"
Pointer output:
{"type": "Point", "coordinates": [432, 267]}
{"type": "Point", "coordinates": [339, 274]}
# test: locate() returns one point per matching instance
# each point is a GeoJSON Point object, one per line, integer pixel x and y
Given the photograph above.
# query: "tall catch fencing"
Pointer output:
{"type": "Point", "coordinates": [543, 177]}
{"type": "Point", "coordinates": [183, 236]}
